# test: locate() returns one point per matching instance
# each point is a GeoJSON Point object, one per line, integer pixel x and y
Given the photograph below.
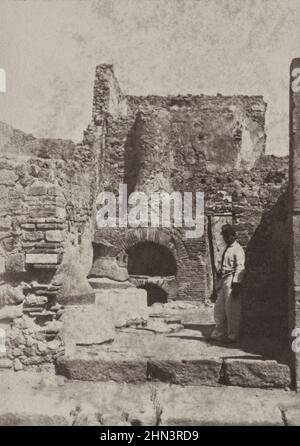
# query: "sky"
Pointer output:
{"type": "Point", "coordinates": [50, 48]}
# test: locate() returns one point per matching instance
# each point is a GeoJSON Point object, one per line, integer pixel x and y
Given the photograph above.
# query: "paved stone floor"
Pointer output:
{"type": "Point", "coordinates": [163, 373]}
{"type": "Point", "coordinates": [44, 398]}
{"type": "Point", "coordinates": [173, 347]}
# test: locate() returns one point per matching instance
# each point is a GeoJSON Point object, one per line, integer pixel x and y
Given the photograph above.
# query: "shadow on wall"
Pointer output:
{"type": "Point", "coordinates": [155, 294]}
{"type": "Point", "coordinates": [265, 287]}
{"type": "Point", "coordinates": [132, 159]}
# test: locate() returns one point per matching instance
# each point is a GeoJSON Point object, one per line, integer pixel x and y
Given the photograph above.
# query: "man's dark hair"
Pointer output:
{"type": "Point", "coordinates": [228, 230]}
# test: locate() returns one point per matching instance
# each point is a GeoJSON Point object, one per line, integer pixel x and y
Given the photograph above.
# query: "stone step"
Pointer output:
{"type": "Point", "coordinates": [96, 351]}
{"type": "Point", "coordinates": [192, 371]}
{"type": "Point", "coordinates": [84, 369]}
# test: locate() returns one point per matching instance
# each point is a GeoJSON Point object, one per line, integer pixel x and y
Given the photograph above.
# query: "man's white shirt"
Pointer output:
{"type": "Point", "coordinates": [233, 262]}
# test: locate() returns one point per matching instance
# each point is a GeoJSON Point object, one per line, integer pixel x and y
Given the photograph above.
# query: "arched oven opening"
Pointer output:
{"type": "Point", "coordinates": [150, 259]}
{"type": "Point", "coordinates": [153, 267]}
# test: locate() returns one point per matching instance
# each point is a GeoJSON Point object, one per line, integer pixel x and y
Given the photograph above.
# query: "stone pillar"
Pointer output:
{"type": "Point", "coordinates": [108, 98]}
{"type": "Point", "coordinates": [294, 197]}
{"type": "Point", "coordinates": [154, 151]}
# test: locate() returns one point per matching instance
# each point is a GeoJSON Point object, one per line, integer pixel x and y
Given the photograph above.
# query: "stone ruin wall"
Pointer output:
{"type": "Point", "coordinates": [213, 144]}
{"type": "Point", "coordinates": [47, 205]}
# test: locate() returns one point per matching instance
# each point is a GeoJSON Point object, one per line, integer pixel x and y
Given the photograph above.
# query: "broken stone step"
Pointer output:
{"type": "Point", "coordinates": [185, 372]}
{"type": "Point", "coordinates": [198, 372]}
{"type": "Point", "coordinates": [100, 370]}
{"type": "Point", "coordinates": [256, 373]}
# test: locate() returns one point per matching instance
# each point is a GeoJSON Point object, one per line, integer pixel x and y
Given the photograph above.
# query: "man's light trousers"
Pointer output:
{"type": "Point", "coordinates": [227, 312]}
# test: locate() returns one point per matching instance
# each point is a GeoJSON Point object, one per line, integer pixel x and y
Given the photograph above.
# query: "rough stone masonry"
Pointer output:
{"type": "Point", "coordinates": [52, 253]}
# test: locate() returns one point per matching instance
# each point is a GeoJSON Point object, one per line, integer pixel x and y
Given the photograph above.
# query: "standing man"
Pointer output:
{"type": "Point", "coordinates": [228, 306]}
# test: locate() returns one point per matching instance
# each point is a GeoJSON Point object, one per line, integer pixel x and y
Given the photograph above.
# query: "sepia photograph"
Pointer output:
{"type": "Point", "coordinates": [149, 216]}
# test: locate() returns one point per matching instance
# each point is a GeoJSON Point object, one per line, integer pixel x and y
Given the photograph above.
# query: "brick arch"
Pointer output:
{"type": "Point", "coordinates": [169, 239]}
{"type": "Point", "coordinates": [159, 236]}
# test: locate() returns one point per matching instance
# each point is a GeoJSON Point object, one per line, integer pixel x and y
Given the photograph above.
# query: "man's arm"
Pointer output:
{"type": "Point", "coordinates": [239, 260]}
{"type": "Point", "coordinates": [239, 257]}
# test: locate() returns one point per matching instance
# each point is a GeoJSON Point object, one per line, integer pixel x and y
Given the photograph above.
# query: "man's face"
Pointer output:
{"type": "Point", "coordinates": [228, 238]}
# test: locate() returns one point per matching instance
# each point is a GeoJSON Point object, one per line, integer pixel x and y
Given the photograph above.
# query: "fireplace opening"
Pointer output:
{"type": "Point", "coordinates": [155, 294]}
{"type": "Point", "coordinates": [150, 259]}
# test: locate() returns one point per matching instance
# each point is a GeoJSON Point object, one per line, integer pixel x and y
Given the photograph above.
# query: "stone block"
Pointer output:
{"type": "Point", "coordinates": [256, 373]}
{"type": "Point", "coordinates": [5, 223]}
{"type": "Point", "coordinates": [10, 243]}
{"type": "Point", "coordinates": [8, 177]}
{"type": "Point", "coordinates": [42, 211]}
{"type": "Point", "coordinates": [55, 190]}
{"type": "Point", "coordinates": [15, 263]}
{"type": "Point", "coordinates": [18, 365]}
{"type": "Point", "coordinates": [77, 299]}
{"type": "Point", "coordinates": [30, 226]}
{"type": "Point", "coordinates": [33, 235]}
{"type": "Point", "coordinates": [5, 363]}
{"type": "Point", "coordinates": [61, 213]}
{"type": "Point", "coordinates": [40, 258]}
{"type": "Point", "coordinates": [186, 372]}
{"type": "Point", "coordinates": [33, 360]}
{"type": "Point", "coordinates": [54, 236]}
{"type": "Point", "coordinates": [110, 268]}
{"type": "Point", "coordinates": [104, 283]}
{"type": "Point", "coordinates": [16, 193]}
{"type": "Point", "coordinates": [32, 299]}
{"type": "Point", "coordinates": [123, 304]}
{"type": "Point", "coordinates": [86, 325]}
{"type": "Point", "coordinates": [218, 406]}
{"type": "Point", "coordinates": [102, 370]}
{"type": "Point", "coordinates": [11, 311]}
{"type": "Point", "coordinates": [37, 188]}
{"type": "Point", "coordinates": [50, 225]}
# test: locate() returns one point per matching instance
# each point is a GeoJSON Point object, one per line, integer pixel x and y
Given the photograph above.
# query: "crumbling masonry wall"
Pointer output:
{"type": "Point", "coordinates": [213, 144]}
{"type": "Point", "coordinates": [48, 237]}
{"type": "Point", "coordinates": [46, 205]}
